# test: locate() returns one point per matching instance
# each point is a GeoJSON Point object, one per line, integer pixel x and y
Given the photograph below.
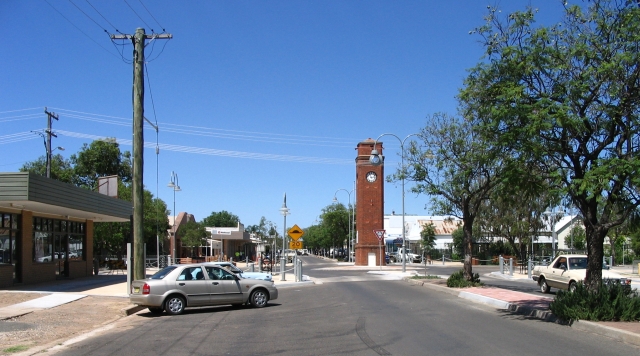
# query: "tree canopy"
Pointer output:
{"type": "Point", "coordinates": [456, 169]}
{"type": "Point", "coordinates": [61, 168]}
{"type": "Point", "coordinates": [221, 219]}
{"type": "Point", "coordinates": [565, 98]}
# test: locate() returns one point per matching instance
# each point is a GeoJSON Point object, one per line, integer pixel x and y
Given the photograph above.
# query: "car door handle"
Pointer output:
{"type": "Point", "coordinates": [181, 284]}
{"type": "Point", "coordinates": [214, 283]}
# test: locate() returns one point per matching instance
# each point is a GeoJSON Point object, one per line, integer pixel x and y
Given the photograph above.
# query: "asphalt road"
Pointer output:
{"type": "Point", "coordinates": [350, 313]}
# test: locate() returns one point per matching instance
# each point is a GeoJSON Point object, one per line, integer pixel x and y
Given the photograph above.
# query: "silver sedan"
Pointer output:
{"type": "Point", "coordinates": [176, 287]}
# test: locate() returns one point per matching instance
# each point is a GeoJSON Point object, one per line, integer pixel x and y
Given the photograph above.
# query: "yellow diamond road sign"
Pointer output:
{"type": "Point", "coordinates": [295, 232]}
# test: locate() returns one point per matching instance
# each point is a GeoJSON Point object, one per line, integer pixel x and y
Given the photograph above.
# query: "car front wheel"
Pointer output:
{"type": "Point", "coordinates": [544, 287]}
{"type": "Point", "coordinates": [259, 298]}
{"type": "Point", "coordinates": [174, 305]}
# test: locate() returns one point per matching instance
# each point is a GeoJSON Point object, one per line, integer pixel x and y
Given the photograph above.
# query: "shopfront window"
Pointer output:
{"type": "Point", "coordinates": [57, 240]}
{"type": "Point", "coordinates": [9, 233]}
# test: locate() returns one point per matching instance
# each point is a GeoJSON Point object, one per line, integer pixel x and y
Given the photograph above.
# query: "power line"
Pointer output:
{"type": "Point", "coordinates": [202, 131]}
{"type": "Point", "coordinates": [72, 24]}
{"type": "Point", "coordinates": [141, 19]}
{"type": "Point", "coordinates": [109, 22]}
{"type": "Point", "coordinates": [89, 17]}
{"type": "Point", "coordinates": [4, 112]}
{"type": "Point", "coordinates": [220, 133]}
{"type": "Point", "coordinates": [217, 152]}
{"type": "Point", "coordinates": [153, 17]}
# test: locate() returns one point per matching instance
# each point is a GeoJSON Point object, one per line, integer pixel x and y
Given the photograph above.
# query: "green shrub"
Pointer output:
{"type": "Point", "coordinates": [611, 302]}
{"type": "Point", "coordinates": [457, 280]}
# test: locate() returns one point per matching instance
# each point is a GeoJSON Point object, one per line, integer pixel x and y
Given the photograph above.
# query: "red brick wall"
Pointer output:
{"type": "Point", "coordinates": [369, 204]}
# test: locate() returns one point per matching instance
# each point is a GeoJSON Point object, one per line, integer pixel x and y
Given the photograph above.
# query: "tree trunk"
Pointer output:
{"type": "Point", "coordinates": [595, 243]}
{"type": "Point", "coordinates": [468, 250]}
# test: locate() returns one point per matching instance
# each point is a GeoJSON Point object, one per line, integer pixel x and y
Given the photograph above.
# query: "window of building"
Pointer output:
{"type": "Point", "coordinates": [9, 234]}
{"type": "Point", "coordinates": [57, 239]}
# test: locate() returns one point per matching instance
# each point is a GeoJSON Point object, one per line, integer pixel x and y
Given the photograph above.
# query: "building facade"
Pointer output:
{"type": "Point", "coordinates": [46, 228]}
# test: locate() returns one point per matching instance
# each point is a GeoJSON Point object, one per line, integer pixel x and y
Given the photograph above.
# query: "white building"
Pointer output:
{"type": "Point", "coordinates": [446, 225]}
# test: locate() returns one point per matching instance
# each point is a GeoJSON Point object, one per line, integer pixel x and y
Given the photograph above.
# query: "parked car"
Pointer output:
{"type": "Point", "coordinates": [231, 267]}
{"type": "Point", "coordinates": [290, 255]}
{"type": "Point", "coordinates": [566, 271]}
{"type": "Point", "coordinates": [176, 287]}
{"type": "Point", "coordinates": [410, 256]}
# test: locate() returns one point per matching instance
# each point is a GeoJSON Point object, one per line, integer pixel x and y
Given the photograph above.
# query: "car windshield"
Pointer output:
{"type": "Point", "coordinates": [578, 263]}
{"type": "Point", "coordinates": [163, 272]}
{"type": "Point", "coordinates": [232, 268]}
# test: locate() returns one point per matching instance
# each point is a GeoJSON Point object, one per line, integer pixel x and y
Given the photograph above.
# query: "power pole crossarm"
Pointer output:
{"type": "Point", "coordinates": [164, 36]}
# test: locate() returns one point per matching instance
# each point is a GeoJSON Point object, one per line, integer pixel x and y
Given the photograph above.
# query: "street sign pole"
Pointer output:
{"type": "Point", "coordinates": [380, 252]}
{"type": "Point", "coordinates": [380, 235]}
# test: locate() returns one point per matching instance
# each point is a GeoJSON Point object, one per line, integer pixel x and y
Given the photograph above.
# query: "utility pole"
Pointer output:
{"type": "Point", "coordinates": [50, 115]}
{"type": "Point", "coordinates": [138, 41]}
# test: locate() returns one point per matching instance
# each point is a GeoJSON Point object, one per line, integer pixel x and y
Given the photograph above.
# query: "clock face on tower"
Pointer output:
{"type": "Point", "coordinates": [371, 177]}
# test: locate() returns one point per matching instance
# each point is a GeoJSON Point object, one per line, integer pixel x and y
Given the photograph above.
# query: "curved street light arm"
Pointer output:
{"type": "Point", "coordinates": [375, 160]}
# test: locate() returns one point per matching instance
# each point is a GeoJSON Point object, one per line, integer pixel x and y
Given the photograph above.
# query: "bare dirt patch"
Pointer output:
{"type": "Point", "coordinates": [48, 326]}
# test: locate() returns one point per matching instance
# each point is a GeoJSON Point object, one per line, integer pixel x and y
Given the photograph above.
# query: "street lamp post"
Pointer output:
{"type": "Point", "coordinates": [553, 215]}
{"type": "Point", "coordinates": [49, 157]}
{"type": "Point", "coordinates": [173, 184]}
{"type": "Point", "coordinates": [351, 217]}
{"type": "Point", "coordinates": [283, 259]}
{"type": "Point", "coordinates": [376, 160]}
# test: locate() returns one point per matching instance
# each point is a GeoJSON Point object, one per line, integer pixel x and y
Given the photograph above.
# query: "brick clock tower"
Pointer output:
{"type": "Point", "coordinates": [369, 205]}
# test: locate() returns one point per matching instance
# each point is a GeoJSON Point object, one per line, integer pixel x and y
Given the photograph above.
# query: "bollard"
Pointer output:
{"type": "Point", "coordinates": [300, 270]}
{"type": "Point", "coordinates": [529, 268]}
{"type": "Point", "coordinates": [501, 262]}
{"type": "Point", "coordinates": [511, 266]}
{"type": "Point", "coordinates": [295, 270]}
{"type": "Point", "coordinates": [283, 262]}
{"type": "Point", "coordinates": [251, 267]}
{"type": "Point", "coordinates": [443, 259]}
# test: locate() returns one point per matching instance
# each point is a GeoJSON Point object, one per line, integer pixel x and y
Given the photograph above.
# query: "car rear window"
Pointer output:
{"type": "Point", "coordinates": [578, 263]}
{"type": "Point", "coordinates": [163, 272]}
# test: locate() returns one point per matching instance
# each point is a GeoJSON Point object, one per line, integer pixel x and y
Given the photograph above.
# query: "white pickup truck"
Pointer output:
{"type": "Point", "coordinates": [290, 255]}
{"type": "Point", "coordinates": [411, 257]}
{"type": "Point", "coordinates": [566, 271]}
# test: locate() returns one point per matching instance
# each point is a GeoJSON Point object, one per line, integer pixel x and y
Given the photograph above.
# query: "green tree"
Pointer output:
{"type": "Point", "coordinates": [565, 98]}
{"type": "Point", "coordinates": [100, 159]}
{"type": "Point", "coordinates": [61, 168]}
{"type": "Point", "coordinates": [316, 237]}
{"type": "Point", "coordinates": [428, 238]}
{"type": "Point", "coordinates": [458, 241]}
{"type": "Point", "coordinates": [335, 222]}
{"type": "Point", "coordinates": [193, 235]}
{"type": "Point", "coordinates": [111, 237]}
{"type": "Point", "coordinates": [221, 219]}
{"type": "Point", "coordinates": [516, 215]}
{"type": "Point", "coordinates": [579, 239]}
{"type": "Point", "coordinates": [455, 168]}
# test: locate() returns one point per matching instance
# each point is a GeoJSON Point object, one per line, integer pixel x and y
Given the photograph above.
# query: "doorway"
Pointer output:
{"type": "Point", "coordinates": [61, 254]}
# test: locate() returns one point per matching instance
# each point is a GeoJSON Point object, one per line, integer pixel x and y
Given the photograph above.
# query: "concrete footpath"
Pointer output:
{"type": "Point", "coordinates": [531, 305]}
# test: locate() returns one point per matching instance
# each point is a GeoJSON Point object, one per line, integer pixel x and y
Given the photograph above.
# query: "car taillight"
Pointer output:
{"type": "Point", "coordinates": [627, 282]}
{"type": "Point", "coordinates": [146, 289]}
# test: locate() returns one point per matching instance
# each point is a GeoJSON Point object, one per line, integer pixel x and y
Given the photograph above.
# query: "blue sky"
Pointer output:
{"type": "Point", "coordinates": [253, 98]}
